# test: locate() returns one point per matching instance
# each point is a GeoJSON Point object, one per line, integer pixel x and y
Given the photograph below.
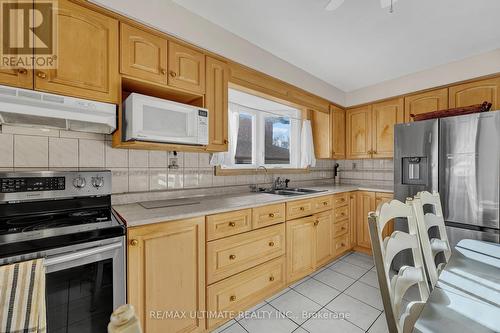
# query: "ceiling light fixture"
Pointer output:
{"type": "Point", "coordinates": [334, 4]}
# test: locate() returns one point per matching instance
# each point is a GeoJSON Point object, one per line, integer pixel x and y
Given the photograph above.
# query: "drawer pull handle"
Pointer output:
{"type": "Point", "coordinates": [316, 222]}
{"type": "Point", "coordinates": [271, 278]}
{"type": "Point", "coordinates": [271, 215]}
{"type": "Point", "coordinates": [342, 214]}
{"type": "Point", "coordinates": [342, 244]}
{"type": "Point", "coordinates": [134, 242]}
{"type": "Point", "coordinates": [343, 228]}
{"type": "Point", "coordinates": [41, 75]}
{"type": "Point", "coordinates": [232, 298]}
{"type": "Point", "coordinates": [325, 203]}
{"type": "Point", "coordinates": [22, 71]}
{"type": "Point", "coordinates": [232, 257]}
{"type": "Point", "coordinates": [302, 208]}
{"type": "Point", "coordinates": [271, 244]}
{"type": "Point", "coordinates": [232, 224]}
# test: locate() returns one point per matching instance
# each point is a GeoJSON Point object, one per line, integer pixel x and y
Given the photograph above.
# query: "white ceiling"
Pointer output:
{"type": "Point", "coordinates": [360, 44]}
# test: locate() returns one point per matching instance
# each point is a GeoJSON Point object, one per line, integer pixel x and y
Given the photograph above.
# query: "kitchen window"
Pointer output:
{"type": "Point", "coordinates": [262, 133]}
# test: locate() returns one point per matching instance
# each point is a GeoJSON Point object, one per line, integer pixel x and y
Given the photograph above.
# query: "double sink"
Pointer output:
{"type": "Point", "coordinates": [290, 191]}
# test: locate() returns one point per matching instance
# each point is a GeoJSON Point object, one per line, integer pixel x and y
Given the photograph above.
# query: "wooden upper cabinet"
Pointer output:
{"type": "Point", "coordinates": [309, 100]}
{"type": "Point", "coordinates": [143, 55]}
{"type": "Point", "coordinates": [429, 101]}
{"type": "Point", "coordinates": [320, 123]}
{"type": "Point", "coordinates": [365, 202]}
{"type": "Point", "coordinates": [186, 68]}
{"type": "Point", "coordinates": [216, 102]}
{"type": "Point", "coordinates": [154, 252]}
{"type": "Point", "coordinates": [385, 116]}
{"type": "Point", "coordinates": [359, 132]}
{"type": "Point", "coordinates": [475, 93]}
{"type": "Point", "coordinates": [337, 116]}
{"type": "Point", "coordinates": [87, 62]}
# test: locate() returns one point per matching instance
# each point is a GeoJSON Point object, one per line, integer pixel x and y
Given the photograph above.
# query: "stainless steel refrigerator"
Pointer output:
{"type": "Point", "coordinates": [459, 157]}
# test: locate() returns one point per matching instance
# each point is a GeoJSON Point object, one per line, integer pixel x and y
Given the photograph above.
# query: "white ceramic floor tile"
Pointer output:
{"type": "Point", "coordinates": [278, 294]}
{"type": "Point", "coordinates": [299, 307]}
{"type": "Point", "coordinates": [348, 269]}
{"type": "Point", "coordinates": [380, 325]}
{"type": "Point", "coordinates": [269, 320]}
{"type": "Point", "coordinates": [317, 291]}
{"type": "Point", "coordinates": [359, 259]}
{"type": "Point", "coordinates": [357, 312]}
{"type": "Point", "coordinates": [370, 278]}
{"type": "Point", "coordinates": [300, 330]}
{"type": "Point", "coordinates": [235, 328]}
{"type": "Point", "coordinates": [367, 294]}
{"type": "Point", "coordinates": [300, 281]}
{"type": "Point", "coordinates": [249, 311]}
{"type": "Point", "coordinates": [334, 279]}
{"type": "Point", "coordinates": [327, 322]}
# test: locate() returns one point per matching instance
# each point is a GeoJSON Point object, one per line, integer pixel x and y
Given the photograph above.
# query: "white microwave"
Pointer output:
{"type": "Point", "coordinates": [154, 119]}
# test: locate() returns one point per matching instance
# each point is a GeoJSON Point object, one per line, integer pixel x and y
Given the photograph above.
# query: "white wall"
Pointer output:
{"type": "Point", "coordinates": [178, 21]}
{"type": "Point", "coordinates": [483, 64]}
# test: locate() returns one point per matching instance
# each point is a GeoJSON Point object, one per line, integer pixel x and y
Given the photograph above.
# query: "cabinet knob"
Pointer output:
{"type": "Point", "coordinates": [232, 298]}
{"type": "Point", "coordinates": [342, 244]}
{"type": "Point", "coordinates": [232, 257]}
{"type": "Point", "coordinates": [226, 142]}
{"type": "Point", "coordinates": [232, 224]}
{"type": "Point", "coordinates": [134, 242]}
{"type": "Point", "coordinates": [343, 228]}
{"type": "Point", "coordinates": [173, 74]}
{"type": "Point", "coordinates": [271, 278]}
{"type": "Point", "coordinates": [163, 71]}
{"type": "Point", "coordinates": [271, 214]}
{"type": "Point", "coordinates": [316, 222]}
{"type": "Point", "coordinates": [271, 244]}
{"type": "Point", "coordinates": [41, 75]}
{"type": "Point", "coordinates": [374, 152]}
{"type": "Point", "coordinates": [325, 203]}
{"type": "Point", "coordinates": [22, 71]}
{"type": "Point", "coordinates": [302, 208]}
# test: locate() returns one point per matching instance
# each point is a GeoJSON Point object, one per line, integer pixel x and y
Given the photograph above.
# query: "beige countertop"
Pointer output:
{"type": "Point", "coordinates": [136, 214]}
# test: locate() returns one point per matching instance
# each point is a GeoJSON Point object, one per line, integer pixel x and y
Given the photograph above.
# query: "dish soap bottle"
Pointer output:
{"type": "Point", "coordinates": [124, 320]}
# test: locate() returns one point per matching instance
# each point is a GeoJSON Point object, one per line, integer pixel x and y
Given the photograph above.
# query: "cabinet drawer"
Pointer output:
{"type": "Point", "coordinates": [341, 244]}
{"type": "Point", "coordinates": [341, 199]}
{"type": "Point", "coordinates": [340, 228]}
{"type": "Point", "coordinates": [268, 215]}
{"type": "Point", "coordinates": [323, 203]}
{"type": "Point", "coordinates": [299, 208]}
{"type": "Point", "coordinates": [228, 256]}
{"type": "Point", "coordinates": [341, 213]}
{"type": "Point", "coordinates": [243, 290]}
{"type": "Point", "coordinates": [228, 224]}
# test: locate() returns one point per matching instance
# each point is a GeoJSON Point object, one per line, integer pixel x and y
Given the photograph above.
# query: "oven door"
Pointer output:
{"type": "Point", "coordinates": [84, 286]}
{"type": "Point", "coordinates": [157, 120]}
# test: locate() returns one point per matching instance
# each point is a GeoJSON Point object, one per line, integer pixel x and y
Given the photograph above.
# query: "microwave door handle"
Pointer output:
{"type": "Point", "coordinates": [80, 254]}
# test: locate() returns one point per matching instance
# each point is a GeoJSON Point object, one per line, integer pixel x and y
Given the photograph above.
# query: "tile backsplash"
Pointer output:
{"type": "Point", "coordinates": [367, 172]}
{"type": "Point", "coordinates": [23, 148]}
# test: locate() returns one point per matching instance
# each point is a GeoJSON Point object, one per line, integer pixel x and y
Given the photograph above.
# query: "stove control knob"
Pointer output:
{"type": "Point", "coordinates": [97, 182]}
{"type": "Point", "coordinates": [79, 182]}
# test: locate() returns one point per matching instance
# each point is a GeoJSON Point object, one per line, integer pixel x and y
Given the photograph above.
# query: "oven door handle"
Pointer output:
{"type": "Point", "coordinates": [81, 254]}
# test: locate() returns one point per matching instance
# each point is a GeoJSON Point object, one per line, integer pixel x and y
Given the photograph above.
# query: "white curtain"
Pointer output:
{"type": "Point", "coordinates": [219, 159]}
{"type": "Point", "coordinates": [307, 158]}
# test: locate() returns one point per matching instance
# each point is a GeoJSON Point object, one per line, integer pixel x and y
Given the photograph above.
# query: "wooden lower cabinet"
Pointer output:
{"type": "Point", "coordinates": [324, 237]}
{"type": "Point", "coordinates": [166, 272]}
{"type": "Point", "coordinates": [244, 290]}
{"type": "Point", "coordinates": [367, 202]}
{"type": "Point", "coordinates": [300, 247]}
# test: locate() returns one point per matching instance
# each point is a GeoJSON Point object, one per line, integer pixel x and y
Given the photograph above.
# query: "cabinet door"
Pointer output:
{"type": "Point", "coordinates": [321, 128]}
{"type": "Point", "coordinates": [87, 62]}
{"type": "Point", "coordinates": [300, 248]}
{"type": "Point", "coordinates": [324, 237]}
{"type": "Point", "coordinates": [216, 103]}
{"type": "Point", "coordinates": [337, 116]}
{"type": "Point", "coordinates": [385, 116]}
{"type": "Point", "coordinates": [475, 93]}
{"type": "Point", "coordinates": [166, 271]}
{"type": "Point", "coordinates": [426, 102]}
{"type": "Point", "coordinates": [379, 199]}
{"type": "Point", "coordinates": [186, 68]}
{"type": "Point", "coordinates": [359, 132]}
{"type": "Point", "coordinates": [353, 217]}
{"type": "Point", "coordinates": [365, 204]}
{"type": "Point", "coordinates": [143, 55]}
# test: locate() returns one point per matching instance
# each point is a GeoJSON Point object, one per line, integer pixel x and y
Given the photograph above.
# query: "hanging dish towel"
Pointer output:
{"type": "Point", "coordinates": [22, 297]}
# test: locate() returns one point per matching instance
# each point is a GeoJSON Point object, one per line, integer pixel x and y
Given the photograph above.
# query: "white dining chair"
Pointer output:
{"type": "Point", "coordinates": [425, 221]}
{"type": "Point", "coordinates": [384, 250]}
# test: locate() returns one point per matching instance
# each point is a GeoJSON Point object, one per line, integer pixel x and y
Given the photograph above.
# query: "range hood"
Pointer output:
{"type": "Point", "coordinates": [23, 107]}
